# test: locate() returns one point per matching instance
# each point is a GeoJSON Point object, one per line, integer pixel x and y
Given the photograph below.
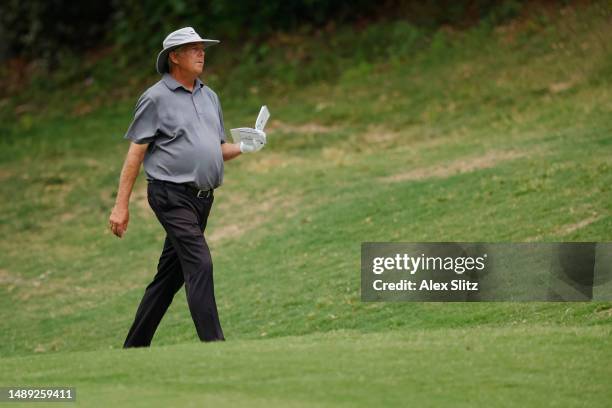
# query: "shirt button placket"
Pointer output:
{"type": "Point", "coordinates": [195, 105]}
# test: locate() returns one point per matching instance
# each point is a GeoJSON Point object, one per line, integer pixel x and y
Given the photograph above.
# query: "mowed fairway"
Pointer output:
{"type": "Point", "coordinates": [502, 137]}
{"type": "Point", "coordinates": [525, 365]}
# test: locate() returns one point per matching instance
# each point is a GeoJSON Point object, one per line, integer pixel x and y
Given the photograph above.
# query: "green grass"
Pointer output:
{"type": "Point", "coordinates": [481, 135]}
{"type": "Point", "coordinates": [548, 366]}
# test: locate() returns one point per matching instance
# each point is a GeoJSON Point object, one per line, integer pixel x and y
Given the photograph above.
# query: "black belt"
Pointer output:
{"type": "Point", "coordinates": [189, 188]}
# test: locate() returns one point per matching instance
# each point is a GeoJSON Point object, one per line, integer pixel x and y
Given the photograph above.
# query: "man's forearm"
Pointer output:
{"type": "Point", "coordinates": [129, 173]}
{"type": "Point", "coordinates": [230, 150]}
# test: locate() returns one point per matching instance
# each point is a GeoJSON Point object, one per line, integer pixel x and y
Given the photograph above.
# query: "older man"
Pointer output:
{"type": "Point", "coordinates": [178, 132]}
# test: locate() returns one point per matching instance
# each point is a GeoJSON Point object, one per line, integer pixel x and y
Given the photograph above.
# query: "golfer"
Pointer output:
{"type": "Point", "coordinates": [178, 132]}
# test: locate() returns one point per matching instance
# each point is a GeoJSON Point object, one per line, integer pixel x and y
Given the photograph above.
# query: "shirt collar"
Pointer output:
{"type": "Point", "coordinates": [173, 84]}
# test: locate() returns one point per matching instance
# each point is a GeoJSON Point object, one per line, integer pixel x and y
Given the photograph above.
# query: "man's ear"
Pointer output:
{"type": "Point", "coordinates": [172, 57]}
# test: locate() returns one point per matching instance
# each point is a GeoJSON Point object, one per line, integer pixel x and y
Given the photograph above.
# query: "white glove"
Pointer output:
{"type": "Point", "coordinates": [254, 144]}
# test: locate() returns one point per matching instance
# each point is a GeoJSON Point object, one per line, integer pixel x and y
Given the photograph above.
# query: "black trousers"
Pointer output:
{"type": "Point", "coordinates": [185, 259]}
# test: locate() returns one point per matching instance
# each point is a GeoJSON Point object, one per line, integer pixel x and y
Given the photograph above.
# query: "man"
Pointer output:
{"type": "Point", "coordinates": [178, 132]}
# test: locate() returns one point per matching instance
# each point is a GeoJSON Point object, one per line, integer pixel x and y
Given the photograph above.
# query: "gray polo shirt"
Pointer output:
{"type": "Point", "coordinates": [184, 130]}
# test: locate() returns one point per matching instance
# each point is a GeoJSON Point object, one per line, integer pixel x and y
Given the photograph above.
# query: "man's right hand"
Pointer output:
{"type": "Point", "coordinates": [118, 220]}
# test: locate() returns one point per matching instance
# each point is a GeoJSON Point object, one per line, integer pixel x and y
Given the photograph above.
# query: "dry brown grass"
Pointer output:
{"type": "Point", "coordinates": [459, 166]}
{"type": "Point", "coordinates": [306, 128]}
{"type": "Point", "coordinates": [248, 214]}
{"type": "Point", "coordinates": [575, 226]}
{"type": "Point", "coordinates": [271, 161]}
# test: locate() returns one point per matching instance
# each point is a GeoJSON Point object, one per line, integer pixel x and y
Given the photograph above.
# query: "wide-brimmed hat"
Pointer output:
{"type": "Point", "coordinates": [175, 39]}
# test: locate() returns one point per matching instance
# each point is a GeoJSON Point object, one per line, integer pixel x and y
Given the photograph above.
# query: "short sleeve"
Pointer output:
{"type": "Point", "coordinates": [143, 128]}
{"type": "Point", "coordinates": [222, 132]}
{"type": "Point", "coordinates": [215, 99]}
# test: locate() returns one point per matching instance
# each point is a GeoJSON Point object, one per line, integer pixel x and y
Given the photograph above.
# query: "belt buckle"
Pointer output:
{"type": "Point", "coordinates": [206, 192]}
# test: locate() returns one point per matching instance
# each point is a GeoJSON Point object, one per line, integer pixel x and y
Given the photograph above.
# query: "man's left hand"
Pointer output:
{"type": "Point", "coordinates": [255, 144]}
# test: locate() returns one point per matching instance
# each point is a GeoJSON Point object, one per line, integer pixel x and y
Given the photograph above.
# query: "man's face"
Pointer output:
{"type": "Point", "coordinates": [189, 57]}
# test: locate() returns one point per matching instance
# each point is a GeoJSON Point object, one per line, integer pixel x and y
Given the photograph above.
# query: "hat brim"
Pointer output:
{"type": "Point", "coordinates": [162, 58]}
